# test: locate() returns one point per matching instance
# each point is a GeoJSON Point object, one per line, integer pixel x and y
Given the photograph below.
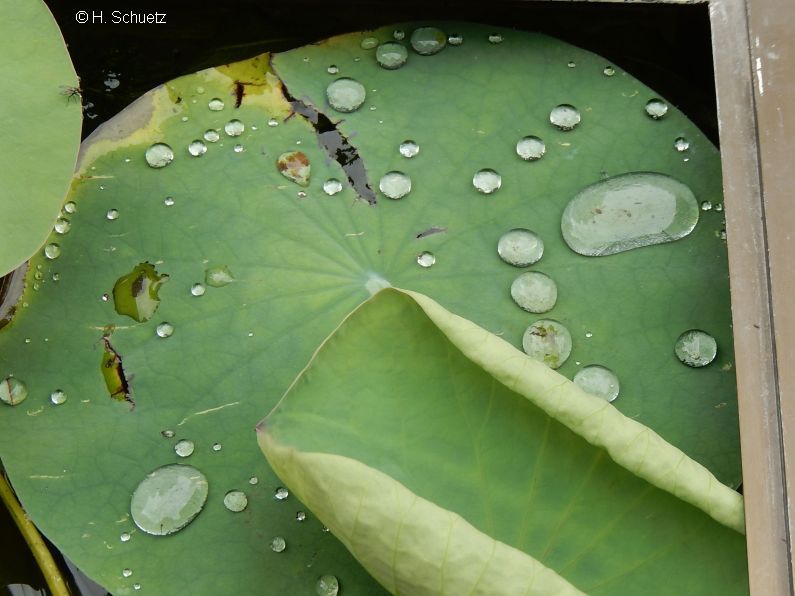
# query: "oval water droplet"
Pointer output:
{"type": "Point", "coordinates": [346, 95]}
{"type": "Point", "coordinates": [609, 71]}
{"type": "Point", "coordinates": [218, 276]}
{"type": "Point", "coordinates": [534, 292]}
{"type": "Point", "coordinates": [168, 499]}
{"type": "Point", "coordinates": [278, 544]}
{"type": "Point", "coordinates": [300, 516]}
{"type": "Point", "coordinates": [62, 225]}
{"type": "Point", "coordinates": [547, 341]}
{"type": "Point", "coordinates": [52, 251]}
{"type": "Point", "coordinates": [426, 259]}
{"type": "Point", "coordinates": [136, 587]}
{"type": "Point", "coordinates": [70, 207]}
{"type": "Point", "coordinates": [332, 186]}
{"type": "Point", "coordinates": [159, 155]}
{"type": "Point", "coordinates": [198, 289]}
{"type": "Point", "coordinates": [235, 500]}
{"type": "Point", "coordinates": [234, 128]}
{"type": "Point", "coordinates": [168, 201]}
{"type": "Point", "coordinates": [520, 247]}
{"type": "Point", "coordinates": [530, 148]}
{"type": "Point", "coordinates": [656, 108]}
{"type": "Point", "coordinates": [217, 446]}
{"type": "Point", "coordinates": [395, 185]}
{"type": "Point", "coordinates": [427, 41]}
{"type": "Point", "coordinates": [281, 493]}
{"type": "Point", "coordinates": [495, 38]}
{"type": "Point", "coordinates": [681, 144]}
{"type": "Point", "coordinates": [238, 148]}
{"type": "Point", "coordinates": [273, 122]}
{"type": "Point", "coordinates": [184, 448]}
{"type": "Point", "coordinates": [136, 294]}
{"type": "Point", "coordinates": [164, 330]}
{"type": "Point", "coordinates": [112, 214]}
{"type": "Point", "coordinates": [455, 39]}
{"type": "Point", "coordinates": [409, 149]}
{"type": "Point", "coordinates": [368, 43]}
{"type": "Point", "coordinates": [126, 572]}
{"type": "Point", "coordinates": [599, 381]}
{"type": "Point", "coordinates": [58, 397]}
{"type": "Point", "coordinates": [696, 348]}
{"type": "Point", "coordinates": [487, 181]}
{"type": "Point", "coordinates": [327, 585]}
{"type": "Point", "coordinates": [216, 104]}
{"type": "Point", "coordinates": [125, 537]}
{"type": "Point", "coordinates": [332, 69]}
{"type": "Point", "coordinates": [168, 433]}
{"type": "Point", "coordinates": [391, 55]}
{"type": "Point", "coordinates": [399, 34]}
{"type": "Point", "coordinates": [197, 148]}
{"type": "Point", "coordinates": [253, 480]}
{"type": "Point", "coordinates": [295, 166]}
{"type": "Point", "coordinates": [628, 211]}
{"type": "Point", "coordinates": [565, 117]}
{"type": "Point", "coordinates": [13, 391]}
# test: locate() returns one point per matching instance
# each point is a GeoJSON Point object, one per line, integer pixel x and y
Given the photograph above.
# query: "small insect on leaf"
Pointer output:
{"type": "Point", "coordinates": [72, 93]}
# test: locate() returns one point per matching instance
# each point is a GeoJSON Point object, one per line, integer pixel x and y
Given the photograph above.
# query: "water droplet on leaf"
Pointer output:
{"type": "Point", "coordinates": [295, 166]}
{"type": "Point", "coordinates": [599, 381]}
{"type": "Point", "coordinates": [217, 446]}
{"type": "Point", "coordinates": [235, 500]}
{"type": "Point", "coordinates": [706, 206]}
{"type": "Point", "coordinates": [395, 185]}
{"type": "Point", "coordinates": [70, 207]}
{"type": "Point", "coordinates": [168, 201]}
{"type": "Point", "coordinates": [547, 341]}
{"type": "Point", "coordinates": [62, 225]}
{"type": "Point", "coordinates": [333, 69]}
{"type": "Point", "coordinates": [327, 585]}
{"type": "Point", "coordinates": [112, 214]}
{"type": "Point", "coordinates": [487, 181]}
{"type": "Point", "coordinates": [218, 276]}
{"type": "Point", "coordinates": [159, 155]}
{"type": "Point", "coordinates": [300, 516]}
{"type": "Point", "coordinates": [696, 348]}
{"type": "Point", "coordinates": [520, 247]}
{"type": "Point", "coordinates": [426, 259]}
{"type": "Point", "coordinates": [216, 104]}
{"type": "Point", "coordinates": [332, 186]}
{"type": "Point", "coordinates": [399, 34]}
{"type": "Point", "coordinates": [197, 148]}
{"type": "Point", "coordinates": [656, 108]}
{"type": "Point", "coordinates": [609, 71]}
{"type": "Point", "coordinates": [427, 41]}
{"type": "Point", "coordinates": [168, 499]}
{"type": "Point", "coordinates": [234, 128]}
{"type": "Point", "coordinates": [278, 544]}
{"type": "Point", "coordinates": [409, 149]}
{"type": "Point", "coordinates": [346, 95]}
{"type": "Point", "coordinates": [534, 292]}
{"type": "Point", "coordinates": [13, 391]}
{"type": "Point", "coordinates": [368, 43]}
{"type": "Point", "coordinates": [126, 572]}
{"type": "Point", "coordinates": [455, 39]}
{"type": "Point", "coordinates": [281, 494]}
{"type": "Point", "coordinates": [164, 330]}
{"type": "Point", "coordinates": [391, 55]}
{"type": "Point", "coordinates": [198, 289]}
{"type": "Point", "coordinates": [125, 537]}
{"type": "Point", "coordinates": [253, 480]}
{"type": "Point", "coordinates": [136, 293]}
{"type": "Point", "coordinates": [184, 448]}
{"type": "Point", "coordinates": [273, 122]}
{"type": "Point", "coordinates": [681, 144]}
{"type": "Point", "coordinates": [495, 38]}
{"type": "Point", "coordinates": [530, 148]}
{"type": "Point", "coordinates": [58, 397]}
{"type": "Point", "coordinates": [565, 117]}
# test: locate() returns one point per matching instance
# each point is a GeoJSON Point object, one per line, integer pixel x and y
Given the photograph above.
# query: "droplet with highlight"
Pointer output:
{"type": "Point", "coordinates": [608, 71]}
{"type": "Point", "coordinates": [218, 276]}
{"type": "Point", "coordinates": [52, 251]}
{"type": "Point", "coordinates": [159, 155]}
{"type": "Point", "coordinates": [164, 330]}
{"type": "Point", "coordinates": [599, 381]}
{"type": "Point", "coordinates": [58, 397]}
{"type": "Point", "coordinates": [530, 148]}
{"type": "Point", "coordinates": [234, 128]}
{"type": "Point", "coordinates": [278, 544]}
{"type": "Point", "coordinates": [197, 289]}
{"type": "Point", "coordinates": [281, 493]}
{"type": "Point", "coordinates": [547, 341]}
{"type": "Point", "coordinates": [327, 585]}
{"type": "Point", "coordinates": [332, 186]}
{"type": "Point", "coordinates": [495, 38]}
{"type": "Point", "coordinates": [534, 292]}
{"type": "Point", "coordinates": [62, 226]}
{"type": "Point", "coordinates": [426, 259]}
{"type": "Point", "coordinates": [487, 181]}
{"type": "Point", "coordinates": [235, 500]}
{"type": "Point", "coordinates": [184, 448]}
{"type": "Point", "coordinates": [409, 149]}
{"type": "Point", "coordinates": [696, 348]}
{"type": "Point", "coordinates": [368, 43]}
{"type": "Point", "coordinates": [197, 148]}
{"type": "Point", "coordinates": [346, 95]}
{"type": "Point", "coordinates": [520, 247]}
{"type": "Point", "coordinates": [13, 391]}
{"type": "Point", "coordinates": [427, 41]}
{"type": "Point", "coordinates": [168, 499]}
{"type": "Point", "coordinates": [455, 39]}
{"type": "Point", "coordinates": [391, 55]}
{"type": "Point", "coordinates": [216, 104]}
{"type": "Point", "coordinates": [395, 185]}
{"type": "Point", "coordinates": [565, 117]}
{"type": "Point", "coordinates": [656, 108]}
{"type": "Point", "coordinates": [332, 69]}
{"type": "Point", "coordinates": [112, 214]}
{"type": "Point", "coordinates": [681, 144]}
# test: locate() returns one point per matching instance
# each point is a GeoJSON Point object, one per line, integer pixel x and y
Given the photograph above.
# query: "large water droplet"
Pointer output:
{"type": "Point", "coordinates": [197, 148]}
{"type": "Point", "coordinates": [487, 181]}
{"type": "Point", "coordinates": [628, 211]}
{"type": "Point", "coordinates": [62, 225]}
{"type": "Point", "coordinates": [58, 397]}
{"type": "Point", "coordinates": [168, 499]}
{"type": "Point", "coordinates": [696, 348]}
{"type": "Point", "coordinates": [455, 39]}
{"type": "Point", "coordinates": [409, 149]}
{"type": "Point", "coordinates": [211, 136]}
{"type": "Point", "coordinates": [136, 293]}
{"type": "Point", "coordinates": [391, 55]}
{"type": "Point", "coordinates": [327, 585]}
{"type": "Point", "coordinates": [235, 500]}
{"type": "Point", "coordinates": [13, 391]}
{"type": "Point", "coordinates": [530, 148]}
{"type": "Point", "coordinates": [547, 341]}
{"type": "Point", "coordinates": [426, 259]}
{"type": "Point", "coordinates": [346, 95]}
{"type": "Point", "coordinates": [681, 144]}
{"type": "Point", "coordinates": [295, 166]}
{"type": "Point", "coordinates": [159, 155]}
{"type": "Point", "coordinates": [368, 43]}
{"type": "Point", "coordinates": [534, 292]}
{"type": "Point", "coordinates": [184, 448]}
{"type": "Point", "coordinates": [395, 185]}
{"type": "Point", "coordinates": [234, 128]}
{"type": "Point", "coordinates": [564, 116]}
{"type": "Point", "coordinates": [427, 41]}
{"type": "Point", "coordinates": [656, 108]}
{"type": "Point", "coordinates": [599, 381]}
{"type": "Point", "coordinates": [278, 544]}
{"type": "Point", "coordinates": [52, 251]}
{"type": "Point", "coordinates": [164, 330]}
{"type": "Point", "coordinates": [112, 214]}
{"type": "Point", "coordinates": [520, 247]}
{"type": "Point", "coordinates": [332, 186]}
{"type": "Point", "coordinates": [216, 104]}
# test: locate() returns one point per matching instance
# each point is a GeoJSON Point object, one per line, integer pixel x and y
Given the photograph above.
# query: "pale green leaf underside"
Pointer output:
{"type": "Point", "coordinates": [367, 447]}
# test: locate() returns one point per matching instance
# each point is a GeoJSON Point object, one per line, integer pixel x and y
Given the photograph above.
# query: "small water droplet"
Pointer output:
{"type": "Point", "coordinates": [571, 64]}
{"type": "Point", "coordinates": [238, 148]}
{"type": "Point", "coordinates": [185, 118]}
{"type": "Point", "coordinates": [13, 391]}
{"type": "Point", "coordinates": [427, 41]}
{"type": "Point", "coordinates": [273, 122]}
{"type": "Point", "coordinates": [159, 155]}
{"type": "Point", "coordinates": [520, 247]}
{"type": "Point", "coordinates": [332, 69]}
{"type": "Point", "coordinates": [164, 330]}
{"type": "Point", "coordinates": [426, 259]}
{"type": "Point", "coordinates": [327, 585]}
{"type": "Point", "coordinates": [197, 148]}
{"type": "Point", "coordinates": [217, 446]}
{"type": "Point", "coordinates": [278, 544]}
{"type": "Point", "coordinates": [346, 95]}
{"type": "Point", "coordinates": [62, 225]}
{"type": "Point", "coordinates": [136, 587]}
{"type": "Point", "coordinates": [218, 276]}
{"type": "Point", "coordinates": [253, 480]}
{"type": "Point", "coordinates": [391, 55]}
{"type": "Point", "coordinates": [234, 128]}
{"type": "Point", "coordinates": [216, 104]}
{"type": "Point", "coordinates": [696, 348]}
{"type": "Point", "coordinates": [112, 214]}
{"type": "Point", "coordinates": [325, 530]}
{"type": "Point", "coordinates": [168, 499]}
{"type": "Point", "coordinates": [281, 493]}
{"type": "Point", "coordinates": [718, 207]}
{"type": "Point", "coordinates": [301, 194]}
{"type": "Point", "coordinates": [565, 117]}
{"type": "Point", "coordinates": [455, 39]}
{"type": "Point", "coordinates": [599, 381]}
{"type": "Point", "coordinates": [58, 397]}
{"type": "Point", "coordinates": [395, 185]}
{"type": "Point", "coordinates": [368, 43]}
{"type": "Point", "coordinates": [332, 186]}
{"type": "Point", "coordinates": [534, 292]}
{"type": "Point", "coordinates": [656, 108]}
{"type": "Point", "coordinates": [52, 251]}
{"type": "Point", "coordinates": [722, 234]}
{"type": "Point", "coordinates": [184, 448]}
{"type": "Point", "coordinates": [125, 537]}
{"type": "Point", "coordinates": [495, 38]}
{"type": "Point", "coordinates": [706, 206]}
{"type": "Point", "coordinates": [627, 212]}
{"type": "Point", "coordinates": [136, 293]}
{"type": "Point", "coordinates": [27, 340]}
{"type": "Point", "coordinates": [56, 276]}
{"type": "Point", "coordinates": [409, 149]}
{"type": "Point", "coordinates": [609, 71]}
{"type": "Point", "coordinates": [295, 166]}
{"type": "Point", "coordinates": [126, 572]}
{"type": "Point", "coordinates": [70, 207]}
{"type": "Point", "coordinates": [38, 275]}
{"type": "Point", "coordinates": [681, 144]}
{"type": "Point", "coordinates": [487, 181]}
{"type": "Point", "coordinates": [168, 434]}
{"type": "Point", "coordinates": [547, 341]}
{"type": "Point", "coordinates": [588, 334]}
{"type": "Point", "coordinates": [104, 297]}
{"type": "Point", "coordinates": [235, 500]}
{"type": "Point", "coordinates": [530, 148]}
{"type": "Point", "coordinates": [399, 34]}
{"type": "Point", "coordinates": [198, 289]}
{"type": "Point", "coordinates": [300, 516]}
{"type": "Point", "coordinates": [169, 201]}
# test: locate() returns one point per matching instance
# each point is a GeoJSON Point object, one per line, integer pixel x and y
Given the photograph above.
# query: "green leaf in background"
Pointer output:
{"type": "Point", "coordinates": [261, 270]}
{"type": "Point", "coordinates": [390, 455]}
{"type": "Point", "coordinates": [41, 114]}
